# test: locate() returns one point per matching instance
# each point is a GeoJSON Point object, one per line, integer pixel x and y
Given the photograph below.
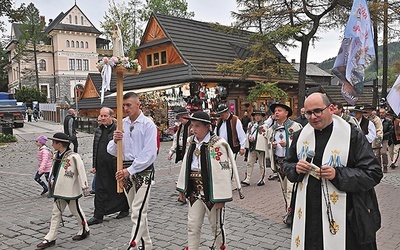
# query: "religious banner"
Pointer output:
{"type": "Point", "coordinates": [393, 98]}
{"type": "Point", "coordinates": [356, 52]}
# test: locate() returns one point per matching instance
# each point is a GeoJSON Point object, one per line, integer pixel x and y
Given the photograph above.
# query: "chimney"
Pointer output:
{"type": "Point", "coordinates": [293, 60]}
{"type": "Point", "coordinates": [43, 19]}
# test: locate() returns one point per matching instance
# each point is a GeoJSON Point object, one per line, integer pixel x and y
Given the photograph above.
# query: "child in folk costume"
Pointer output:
{"type": "Point", "coordinates": [67, 182]}
{"type": "Point", "coordinates": [45, 158]}
{"type": "Point", "coordinates": [205, 180]}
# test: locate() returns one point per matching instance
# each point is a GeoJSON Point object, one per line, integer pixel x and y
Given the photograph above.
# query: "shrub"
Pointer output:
{"type": "Point", "coordinates": [7, 138]}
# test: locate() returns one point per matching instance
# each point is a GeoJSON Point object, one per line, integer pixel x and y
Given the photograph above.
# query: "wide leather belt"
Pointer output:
{"type": "Point", "coordinates": [195, 178]}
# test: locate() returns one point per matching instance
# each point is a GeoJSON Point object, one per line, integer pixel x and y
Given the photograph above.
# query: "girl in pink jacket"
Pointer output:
{"type": "Point", "coordinates": [45, 158]}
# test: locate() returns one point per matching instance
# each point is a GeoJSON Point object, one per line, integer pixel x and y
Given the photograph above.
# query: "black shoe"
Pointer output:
{"type": "Point", "coordinates": [44, 191]}
{"type": "Point", "coordinates": [261, 183]}
{"type": "Point", "coordinates": [92, 192]}
{"type": "Point", "coordinates": [273, 177]}
{"type": "Point", "coordinates": [245, 183]}
{"type": "Point", "coordinates": [122, 214]}
{"type": "Point", "coordinates": [83, 236]}
{"type": "Point", "coordinates": [245, 159]}
{"type": "Point", "coordinates": [393, 166]}
{"type": "Point", "coordinates": [45, 244]}
{"type": "Point", "coordinates": [94, 220]}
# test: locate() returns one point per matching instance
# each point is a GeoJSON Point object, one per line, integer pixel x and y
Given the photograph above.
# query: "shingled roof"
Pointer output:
{"type": "Point", "coordinates": [202, 46]}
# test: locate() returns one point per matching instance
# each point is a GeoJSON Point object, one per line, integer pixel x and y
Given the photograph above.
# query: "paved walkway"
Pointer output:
{"type": "Point", "coordinates": [253, 223]}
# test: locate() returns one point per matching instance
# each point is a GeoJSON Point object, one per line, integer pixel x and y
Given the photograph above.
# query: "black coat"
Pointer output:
{"type": "Point", "coordinates": [357, 179]}
{"type": "Point", "coordinates": [106, 200]}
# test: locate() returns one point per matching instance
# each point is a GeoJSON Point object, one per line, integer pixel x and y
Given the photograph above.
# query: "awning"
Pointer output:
{"type": "Point", "coordinates": [145, 90]}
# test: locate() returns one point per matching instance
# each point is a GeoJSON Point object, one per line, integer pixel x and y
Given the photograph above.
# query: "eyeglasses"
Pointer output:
{"type": "Point", "coordinates": [315, 112]}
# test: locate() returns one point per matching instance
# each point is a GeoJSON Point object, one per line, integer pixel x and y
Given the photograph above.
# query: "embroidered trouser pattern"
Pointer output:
{"type": "Point", "coordinates": [58, 209]}
{"type": "Point", "coordinates": [253, 156]}
{"type": "Point", "coordinates": [196, 213]}
{"type": "Point", "coordinates": [287, 186]}
{"type": "Point", "coordinates": [138, 199]}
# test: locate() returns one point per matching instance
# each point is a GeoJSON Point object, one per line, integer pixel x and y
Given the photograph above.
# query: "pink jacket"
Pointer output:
{"type": "Point", "coordinates": [45, 159]}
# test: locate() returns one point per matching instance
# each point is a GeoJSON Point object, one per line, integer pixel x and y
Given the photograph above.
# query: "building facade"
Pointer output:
{"type": "Point", "coordinates": [64, 60]}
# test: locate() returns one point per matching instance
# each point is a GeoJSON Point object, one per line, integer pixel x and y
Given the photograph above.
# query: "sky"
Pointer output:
{"type": "Point", "coordinates": [205, 10]}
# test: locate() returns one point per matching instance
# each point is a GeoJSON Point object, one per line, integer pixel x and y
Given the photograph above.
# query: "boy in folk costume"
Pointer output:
{"type": "Point", "coordinates": [257, 144]}
{"type": "Point", "coordinates": [45, 158]}
{"type": "Point", "coordinates": [279, 137]}
{"type": "Point", "coordinates": [67, 182]}
{"type": "Point", "coordinates": [180, 137]}
{"type": "Point", "coordinates": [205, 180]}
{"type": "Point", "coordinates": [336, 205]}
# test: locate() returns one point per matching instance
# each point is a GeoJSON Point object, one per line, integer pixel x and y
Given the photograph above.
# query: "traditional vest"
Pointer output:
{"type": "Point", "coordinates": [364, 125]}
{"type": "Point", "coordinates": [233, 140]}
{"type": "Point", "coordinates": [183, 131]}
{"type": "Point", "coordinates": [335, 155]}
{"type": "Point", "coordinates": [256, 130]}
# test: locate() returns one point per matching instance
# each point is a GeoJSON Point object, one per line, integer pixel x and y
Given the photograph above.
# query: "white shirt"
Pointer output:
{"type": "Point", "coordinates": [239, 130]}
{"type": "Point", "coordinates": [371, 130]}
{"type": "Point", "coordinates": [139, 143]}
{"type": "Point", "coordinates": [280, 135]}
{"type": "Point", "coordinates": [196, 164]}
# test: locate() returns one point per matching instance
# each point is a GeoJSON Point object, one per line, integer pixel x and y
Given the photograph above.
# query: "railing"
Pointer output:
{"type": "Point", "coordinates": [87, 125]}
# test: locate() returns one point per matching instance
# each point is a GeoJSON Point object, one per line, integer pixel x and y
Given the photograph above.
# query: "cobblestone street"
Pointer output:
{"type": "Point", "coordinates": [252, 223]}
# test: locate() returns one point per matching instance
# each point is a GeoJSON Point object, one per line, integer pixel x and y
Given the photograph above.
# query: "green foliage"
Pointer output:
{"type": "Point", "coordinates": [3, 73]}
{"type": "Point", "coordinates": [14, 15]}
{"type": "Point", "coordinates": [176, 8]}
{"type": "Point", "coordinates": [28, 95]}
{"type": "Point", "coordinates": [7, 138]}
{"type": "Point", "coordinates": [266, 89]}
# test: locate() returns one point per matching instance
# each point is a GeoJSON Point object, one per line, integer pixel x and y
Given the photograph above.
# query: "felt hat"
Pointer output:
{"type": "Point", "coordinates": [289, 110]}
{"type": "Point", "coordinates": [42, 139]}
{"type": "Point", "coordinates": [60, 137]}
{"type": "Point", "coordinates": [368, 106]}
{"type": "Point", "coordinates": [199, 116]}
{"type": "Point", "coordinates": [391, 113]}
{"type": "Point", "coordinates": [258, 112]}
{"type": "Point", "coordinates": [181, 111]}
{"type": "Point", "coordinates": [222, 108]}
{"type": "Point", "coordinates": [358, 109]}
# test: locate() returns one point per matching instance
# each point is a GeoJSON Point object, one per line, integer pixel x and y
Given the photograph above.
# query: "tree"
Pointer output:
{"type": "Point", "coordinates": [32, 34]}
{"type": "Point", "coordinates": [176, 8]}
{"type": "Point", "coordinates": [6, 10]}
{"type": "Point", "coordinates": [127, 18]}
{"type": "Point", "coordinates": [3, 72]}
{"type": "Point", "coordinates": [28, 95]}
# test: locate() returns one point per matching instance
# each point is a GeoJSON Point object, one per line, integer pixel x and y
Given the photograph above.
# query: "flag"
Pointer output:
{"type": "Point", "coordinates": [393, 98]}
{"type": "Point", "coordinates": [356, 52]}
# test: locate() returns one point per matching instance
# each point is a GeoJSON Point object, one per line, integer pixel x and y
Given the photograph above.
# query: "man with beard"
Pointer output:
{"type": "Point", "coordinates": [106, 200]}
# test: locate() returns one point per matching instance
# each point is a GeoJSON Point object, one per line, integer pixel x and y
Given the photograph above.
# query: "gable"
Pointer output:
{"type": "Point", "coordinates": [90, 90]}
{"type": "Point", "coordinates": [153, 32]}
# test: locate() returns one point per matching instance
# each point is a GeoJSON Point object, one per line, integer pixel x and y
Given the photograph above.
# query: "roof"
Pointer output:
{"type": "Point", "coordinates": [202, 46]}
{"type": "Point", "coordinates": [56, 25]}
{"type": "Point", "coordinates": [312, 70]}
{"type": "Point", "coordinates": [335, 95]}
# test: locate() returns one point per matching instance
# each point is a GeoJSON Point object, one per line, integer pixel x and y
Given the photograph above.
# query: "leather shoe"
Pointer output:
{"type": "Point", "coordinates": [122, 214]}
{"type": "Point", "coordinates": [273, 177]}
{"type": "Point", "coordinates": [393, 166]}
{"type": "Point", "coordinates": [45, 244]}
{"type": "Point", "coordinates": [44, 191]}
{"type": "Point", "coordinates": [261, 183]}
{"type": "Point", "coordinates": [81, 236]}
{"type": "Point", "coordinates": [94, 220]}
{"type": "Point", "coordinates": [245, 183]}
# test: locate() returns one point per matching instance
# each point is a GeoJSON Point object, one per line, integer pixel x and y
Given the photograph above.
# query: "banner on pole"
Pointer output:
{"type": "Point", "coordinates": [356, 52]}
{"type": "Point", "coordinates": [393, 98]}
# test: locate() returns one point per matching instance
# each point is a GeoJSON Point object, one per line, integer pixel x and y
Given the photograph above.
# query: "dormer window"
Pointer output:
{"type": "Point", "coordinates": [70, 18]}
{"type": "Point", "coordinates": [76, 20]}
{"type": "Point", "coordinates": [156, 59]}
{"type": "Point", "coordinates": [82, 20]}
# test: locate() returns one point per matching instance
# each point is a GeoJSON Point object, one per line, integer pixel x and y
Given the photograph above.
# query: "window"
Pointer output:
{"type": "Point", "coordinates": [76, 20]}
{"type": "Point", "coordinates": [82, 20]}
{"type": "Point", "coordinates": [156, 59]}
{"type": "Point", "coordinates": [79, 64]}
{"type": "Point", "coordinates": [45, 90]}
{"type": "Point", "coordinates": [42, 65]}
{"type": "Point", "coordinates": [72, 44]}
{"type": "Point", "coordinates": [70, 18]}
{"type": "Point", "coordinates": [163, 57]}
{"type": "Point", "coordinates": [82, 45]}
{"type": "Point", "coordinates": [71, 64]}
{"type": "Point", "coordinates": [87, 45]}
{"type": "Point", "coordinates": [77, 44]}
{"type": "Point", "coordinates": [149, 60]}
{"type": "Point", "coordinates": [85, 64]}
{"type": "Point", "coordinates": [67, 43]}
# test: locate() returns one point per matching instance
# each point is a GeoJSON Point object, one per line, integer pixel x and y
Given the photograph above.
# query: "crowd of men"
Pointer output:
{"type": "Point", "coordinates": [315, 158]}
